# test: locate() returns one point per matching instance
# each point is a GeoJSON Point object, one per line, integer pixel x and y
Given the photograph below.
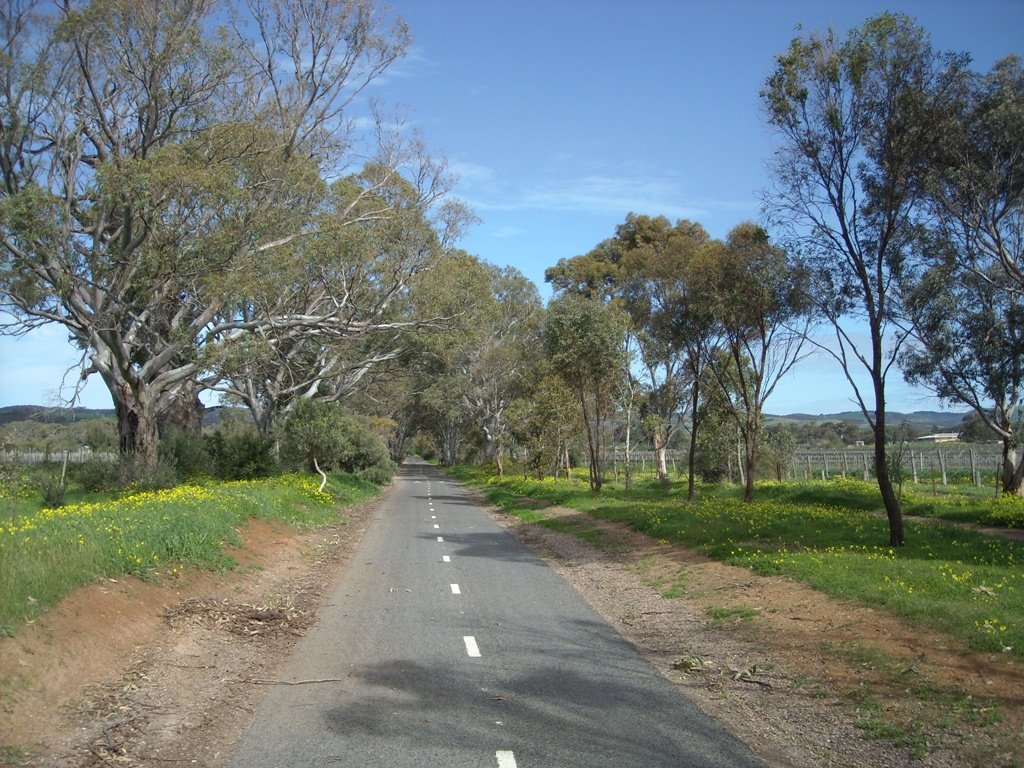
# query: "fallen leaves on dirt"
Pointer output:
{"type": "Point", "coordinates": [242, 619]}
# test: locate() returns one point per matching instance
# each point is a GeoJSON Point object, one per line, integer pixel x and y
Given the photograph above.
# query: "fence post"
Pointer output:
{"type": "Point", "coordinates": [867, 476]}
{"type": "Point", "coordinates": [846, 466]}
{"type": "Point", "coordinates": [824, 461]}
{"type": "Point", "coordinates": [942, 466]}
{"type": "Point", "coordinates": [913, 466]}
{"type": "Point", "coordinates": [974, 471]}
{"type": "Point", "coordinates": [807, 474]}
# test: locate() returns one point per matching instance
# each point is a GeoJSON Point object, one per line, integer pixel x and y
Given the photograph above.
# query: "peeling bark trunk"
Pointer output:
{"type": "Point", "coordinates": [1013, 470]}
{"type": "Point", "coordinates": [660, 452]}
{"type": "Point", "coordinates": [137, 430]}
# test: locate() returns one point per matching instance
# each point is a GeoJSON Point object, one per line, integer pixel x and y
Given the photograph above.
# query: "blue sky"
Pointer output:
{"type": "Point", "coordinates": [562, 116]}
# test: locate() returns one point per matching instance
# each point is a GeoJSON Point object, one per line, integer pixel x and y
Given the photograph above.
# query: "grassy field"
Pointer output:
{"type": "Point", "coordinates": [827, 535]}
{"type": "Point", "coordinates": [46, 553]}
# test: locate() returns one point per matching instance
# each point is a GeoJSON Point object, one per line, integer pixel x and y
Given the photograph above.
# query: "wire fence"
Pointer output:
{"type": "Point", "coordinates": [979, 464]}
{"type": "Point", "coordinates": [75, 456]}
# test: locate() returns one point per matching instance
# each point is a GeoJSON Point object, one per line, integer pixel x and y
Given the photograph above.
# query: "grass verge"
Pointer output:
{"type": "Point", "coordinates": [952, 580]}
{"type": "Point", "coordinates": [46, 554]}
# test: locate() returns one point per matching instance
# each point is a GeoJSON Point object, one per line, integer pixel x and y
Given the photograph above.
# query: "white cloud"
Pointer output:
{"type": "Point", "coordinates": [607, 194]}
{"type": "Point", "coordinates": [507, 231]}
{"type": "Point", "coordinates": [471, 173]}
{"type": "Point", "coordinates": [599, 194]}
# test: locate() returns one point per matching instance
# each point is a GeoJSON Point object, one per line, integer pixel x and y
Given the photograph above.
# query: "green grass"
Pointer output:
{"type": "Point", "coordinates": [734, 614]}
{"type": "Point", "coordinates": [822, 534]}
{"type": "Point", "coordinates": [47, 553]}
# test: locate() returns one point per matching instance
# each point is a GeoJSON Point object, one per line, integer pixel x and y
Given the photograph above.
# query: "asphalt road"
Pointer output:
{"type": "Point", "coordinates": [446, 643]}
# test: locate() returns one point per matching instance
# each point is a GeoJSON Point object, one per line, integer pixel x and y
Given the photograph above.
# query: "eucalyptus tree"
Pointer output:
{"type": "Point", "coordinates": [656, 289]}
{"type": "Point", "coordinates": [966, 303]}
{"type": "Point", "coordinates": [583, 342]}
{"type": "Point", "coordinates": [509, 324]}
{"type": "Point", "coordinates": [153, 163]}
{"type": "Point", "coordinates": [973, 180]}
{"type": "Point", "coordinates": [543, 422]}
{"type": "Point", "coordinates": [848, 114]}
{"type": "Point", "coordinates": [482, 337]}
{"type": "Point", "coordinates": [969, 348]}
{"type": "Point", "coordinates": [656, 272]}
{"type": "Point", "coordinates": [332, 309]}
{"type": "Point", "coordinates": [763, 314]}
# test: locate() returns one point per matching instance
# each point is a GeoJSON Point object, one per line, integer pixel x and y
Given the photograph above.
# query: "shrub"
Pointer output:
{"type": "Point", "coordinates": [379, 474]}
{"type": "Point", "coordinates": [322, 434]}
{"type": "Point", "coordinates": [95, 475]}
{"type": "Point", "coordinates": [54, 492]}
{"type": "Point", "coordinates": [187, 452]}
{"type": "Point", "coordinates": [241, 456]}
{"type": "Point", "coordinates": [136, 476]}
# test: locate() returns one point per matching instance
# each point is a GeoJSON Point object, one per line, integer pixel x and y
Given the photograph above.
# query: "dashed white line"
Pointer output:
{"type": "Point", "coordinates": [505, 758]}
{"type": "Point", "coordinates": [436, 525]}
{"type": "Point", "coordinates": [456, 590]}
{"type": "Point", "coordinates": [471, 647]}
{"type": "Point", "coordinates": [440, 538]}
{"type": "Point", "coordinates": [445, 559]}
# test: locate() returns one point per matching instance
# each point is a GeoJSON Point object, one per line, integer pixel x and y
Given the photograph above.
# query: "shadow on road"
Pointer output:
{"type": "Point", "coordinates": [582, 700]}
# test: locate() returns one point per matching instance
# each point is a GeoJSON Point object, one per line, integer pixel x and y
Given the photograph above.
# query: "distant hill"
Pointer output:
{"type": "Point", "coordinates": [45, 414]}
{"type": "Point", "coordinates": [49, 415]}
{"type": "Point", "coordinates": [944, 419]}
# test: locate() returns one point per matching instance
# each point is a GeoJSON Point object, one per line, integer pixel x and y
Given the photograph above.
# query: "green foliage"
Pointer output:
{"type": "Point", "coordinates": [95, 475]}
{"type": "Point", "coordinates": [54, 492]}
{"type": "Point", "coordinates": [187, 453]}
{"type": "Point", "coordinates": [583, 342]}
{"type": "Point", "coordinates": [243, 455]}
{"type": "Point", "coordinates": [323, 434]}
{"type": "Point", "coordinates": [136, 474]}
{"type": "Point", "coordinates": [542, 424]}
{"type": "Point", "coordinates": [781, 444]}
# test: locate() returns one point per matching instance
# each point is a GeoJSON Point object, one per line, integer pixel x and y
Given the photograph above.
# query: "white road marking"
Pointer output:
{"type": "Point", "coordinates": [456, 590]}
{"type": "Point", "coordinates": [440, 538]}
{"type": "Point", "coordinates": [505, 758]}
{"type": "Point", "coordinates": [471, 647]}
{"type": "Point", "coordinates": [433, 517]}
{"type": "Point", "coordinates": [436, 525]}
{"type": "Point", "coordinates": [445, 559]}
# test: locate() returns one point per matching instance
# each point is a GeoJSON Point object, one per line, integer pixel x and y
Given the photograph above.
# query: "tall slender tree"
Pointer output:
{"type": "Point", "coordinates": [848, 114]}
{"type": "Point", "coordinates": [583, 340]}
{"type": "Point", "coordinates": [763, 314]}
{"type": "Point", "coordinates": [966, 302]}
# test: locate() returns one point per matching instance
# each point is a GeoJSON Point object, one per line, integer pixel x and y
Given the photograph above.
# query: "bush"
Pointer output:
{"type": "Point", "coordinates": [187, 452]}
{"type": "Point", "coordinates": [136, 476]}
{"type": "Point", "coordinates": [322, 434]}
{"type": "Point", "coordinates": [379, 474]}
{"type": "Point", "coordinates": [95, 475]}
{"type": "Point", "coordinates": [241, 456]}
{"type": "Point", "coordinates": [54, 493]}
